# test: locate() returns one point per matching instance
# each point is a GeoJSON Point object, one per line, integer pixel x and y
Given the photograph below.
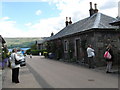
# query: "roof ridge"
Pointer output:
{"type": "Point", "coordinates": [97, 20]}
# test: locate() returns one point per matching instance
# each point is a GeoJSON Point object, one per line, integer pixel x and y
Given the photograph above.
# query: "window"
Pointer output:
{"type": "Point", "coordinates": [65, 45]}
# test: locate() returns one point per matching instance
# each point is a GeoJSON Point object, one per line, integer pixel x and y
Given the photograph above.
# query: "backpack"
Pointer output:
{"type": "Point", "coordinates": [107, 55]}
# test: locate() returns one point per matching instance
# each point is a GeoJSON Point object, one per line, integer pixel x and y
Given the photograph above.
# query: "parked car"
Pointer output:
{"type": "Point", "coordinates": [23, 60]}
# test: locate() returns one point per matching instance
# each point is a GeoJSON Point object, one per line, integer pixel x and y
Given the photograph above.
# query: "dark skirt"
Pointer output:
{"type": "Point", "coordinates": [109, 60]}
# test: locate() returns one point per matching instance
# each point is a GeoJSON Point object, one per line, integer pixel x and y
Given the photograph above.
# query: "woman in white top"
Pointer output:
{"type": "Point", "coordinates": [15, 67]}
{"type": "Point", "coordinates": [91, 56]}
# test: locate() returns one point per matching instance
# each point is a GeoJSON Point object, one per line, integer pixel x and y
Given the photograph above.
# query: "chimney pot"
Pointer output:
{"type": "Point", "coordinates": [96, 10]}
{"type": "Point", "coordinates": [70, 22]}
{"type": "Point", "coordinates": [90, 5]}
{"type": "Point", "coordinates": [95, 6]}
{"type": "Point", "coordinates": [66, 21]}
{"type": "Point", "coordinates": [66, 18]}
{"type": "Point", "coordinates": [52, 34]}
{"type": "Point", "coordinates": [91, 9]}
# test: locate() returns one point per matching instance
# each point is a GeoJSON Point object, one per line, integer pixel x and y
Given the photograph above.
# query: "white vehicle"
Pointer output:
{"type": "Point", "coordinates": [23, 60]}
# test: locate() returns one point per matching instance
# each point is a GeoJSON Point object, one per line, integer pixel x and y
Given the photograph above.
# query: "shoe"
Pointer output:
{"type": "Point", "coordinates": [93, 67]}
{"type": "Point", "coordinates": [89, 67]}
{"type": "Point", "coordinates": [108, 72]}
{"type": "Point", "coordinates": [17, 82]}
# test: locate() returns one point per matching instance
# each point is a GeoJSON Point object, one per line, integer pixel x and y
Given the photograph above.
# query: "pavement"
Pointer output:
{"type": "Point", "coordinates": [27, 79]}
{"type": "Point", "coordinates": [0, 79]}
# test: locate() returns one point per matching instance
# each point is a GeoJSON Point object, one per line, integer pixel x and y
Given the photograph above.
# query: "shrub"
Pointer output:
{"type": "Point", "coordinates": [42, 51]}
{"type": "Point", "coordinates": [28, 51]}
{"type": "Point", "coordinates": [35, 52]}
{"type": "Point", "coordinates": [45, 54]}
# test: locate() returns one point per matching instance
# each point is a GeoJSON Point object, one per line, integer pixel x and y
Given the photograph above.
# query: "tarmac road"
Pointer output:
{"type": "Point", "coordinates": [55, 74]}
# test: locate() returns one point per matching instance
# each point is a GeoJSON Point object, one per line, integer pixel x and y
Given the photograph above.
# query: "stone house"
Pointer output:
{"type": "Point", "coordinates": [71, 42]}
{"type": "Point", "coordinates": [2, 42]}
{"type": "Point", "coordinates": [40, 43]}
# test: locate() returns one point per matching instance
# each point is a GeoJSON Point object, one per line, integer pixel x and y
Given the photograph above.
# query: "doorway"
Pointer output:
{"type": "Point", "coordinates": [78, 49]}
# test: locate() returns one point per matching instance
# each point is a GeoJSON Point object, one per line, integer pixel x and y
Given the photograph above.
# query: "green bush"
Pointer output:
{"type": "Point", "coordinates": [28, 51]}
{"type": "Point", "coordinates": [42, 51]}
{"type": "Point", "coordinates": [45, 54]}
{"type": "Point", "coordinates": [35, 52]}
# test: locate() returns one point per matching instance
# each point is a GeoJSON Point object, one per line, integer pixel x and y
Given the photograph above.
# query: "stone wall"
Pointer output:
{"type": "Point", "coordinates": [99, 39]}
{"type": "Point", "coordinates": [102, 40]}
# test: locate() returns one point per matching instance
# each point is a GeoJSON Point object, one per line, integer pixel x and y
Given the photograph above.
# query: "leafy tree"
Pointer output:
{"type": "Point", "coordinates": [33, 47]}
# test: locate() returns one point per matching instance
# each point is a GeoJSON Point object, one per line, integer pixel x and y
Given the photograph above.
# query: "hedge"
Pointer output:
{"type": "Point", "coordinates": [35, 52]}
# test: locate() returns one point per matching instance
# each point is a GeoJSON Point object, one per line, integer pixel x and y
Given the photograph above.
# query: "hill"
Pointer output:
{"type": "Point", "coordinates": [21, 42]}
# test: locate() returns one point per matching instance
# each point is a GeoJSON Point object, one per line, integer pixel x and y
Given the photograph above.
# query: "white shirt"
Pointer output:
{"type": "Point", "coordinates": [90, 52]}
{"type": "Point", "coordinates": [13, 56]}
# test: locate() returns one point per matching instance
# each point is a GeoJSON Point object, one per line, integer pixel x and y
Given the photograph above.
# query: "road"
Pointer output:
{"type": "Point", "coordinates": [55, 74]}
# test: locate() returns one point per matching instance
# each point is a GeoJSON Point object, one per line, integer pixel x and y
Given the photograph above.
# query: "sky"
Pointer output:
{"type": "Point", "coordinates": [39, 18]}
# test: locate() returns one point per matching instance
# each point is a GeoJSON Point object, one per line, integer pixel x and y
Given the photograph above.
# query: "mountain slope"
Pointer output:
{"type": "Point", "coordinates": [21, 42]}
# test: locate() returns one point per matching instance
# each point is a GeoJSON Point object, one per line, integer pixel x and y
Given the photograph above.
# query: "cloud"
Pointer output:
{"type": "Point", "coordinates": [8, 28]}
{"type": "Point", "coordinates": [38, 12]}
{"type": "Point", "coordinates": [110, 4]}
{"type": "Point", "coordinates": [77, 10]}
{"type": "Point", "coordinates": [28, 24]}
{"type": "Point", "coordinates": [44, 27]}
{"type": "Point", "coordinates": [119, 9]}
{"type": "Point", "coordinates": [5, 18]}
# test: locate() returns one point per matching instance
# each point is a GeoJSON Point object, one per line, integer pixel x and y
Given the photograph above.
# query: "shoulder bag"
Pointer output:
{"type": "Point", "coordinates": [16, 61]}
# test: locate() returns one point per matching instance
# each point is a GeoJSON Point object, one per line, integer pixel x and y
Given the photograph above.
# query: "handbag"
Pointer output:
{"type": "Point", "coordinates": [16, 61]}
{"type": "Point", "coordinates": [93, 54]}
{"type": "Point", "coordinates": [12, 65]}
{"type": "Point", "coordinates": [107, 55]}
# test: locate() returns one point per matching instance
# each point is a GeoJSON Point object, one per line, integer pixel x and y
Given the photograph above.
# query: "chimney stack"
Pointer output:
{"type": "Point", "coordinates": [66, 21]}
{"type": "Point", "coordinates": [96, 10]}
{"type": "Point", "coordinates": [52, 34]}
{"type": "Point", "coordinates": [90, 5]}
{"type": "Point", "coordinates": [70, 22]}
{"type": "Point", "coordinates": [91, 9]}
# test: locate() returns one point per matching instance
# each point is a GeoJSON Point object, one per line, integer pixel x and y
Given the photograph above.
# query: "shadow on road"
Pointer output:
{"type": "Point", "coordinates": [38, 78]}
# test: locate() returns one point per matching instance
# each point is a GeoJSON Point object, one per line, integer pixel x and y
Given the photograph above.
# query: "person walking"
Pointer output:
{"type": "Point", "coordinates": [109, 61]}
{"type": "Point", "coordinates": [30, 55]}
{"type": "Point", "coordinates": [15, 67]}
{"type": "Point", "coordinates": [91, 55]}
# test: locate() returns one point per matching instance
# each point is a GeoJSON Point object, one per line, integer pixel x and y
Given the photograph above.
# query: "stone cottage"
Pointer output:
{"type": "Point", "coordinates": [2, 42]}
{"type": "Point", "coordinates": [71, 42]}
{"type": "Point", "coordinates": [40, 43]}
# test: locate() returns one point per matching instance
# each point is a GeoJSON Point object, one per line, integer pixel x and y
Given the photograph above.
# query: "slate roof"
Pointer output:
{"type": "Point", "coordinates": [98, 20]}
{"type": "Point", "coordinates": [116, 22]}
{"type": "Point", "coordinates": [42, 40]}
